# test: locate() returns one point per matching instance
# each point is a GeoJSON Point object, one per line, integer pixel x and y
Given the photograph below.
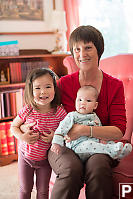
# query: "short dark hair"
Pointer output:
{"type": "Point", "coordinates": [87, 34]}
{"type": "Point", "coordinates": [28, 92]}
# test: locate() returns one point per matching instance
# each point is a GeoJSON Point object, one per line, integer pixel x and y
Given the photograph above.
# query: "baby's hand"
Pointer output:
{"type": "Point", "coordinates": [103, 141]}
{"type": "Point", "coordinates": [56, 148]}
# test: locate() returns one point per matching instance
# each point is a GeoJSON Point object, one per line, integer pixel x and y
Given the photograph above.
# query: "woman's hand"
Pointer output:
{"type": "Point", "coordinates": [30, 138]}
{"type": "Point", "coordinates": [74, 133]}
{"type": "Point", "coordinates": [28, 135]}
{"type": "Point", "coordinates": [47, 137]}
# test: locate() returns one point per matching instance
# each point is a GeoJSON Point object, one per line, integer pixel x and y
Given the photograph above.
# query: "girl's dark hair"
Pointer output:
{"type": "Point", "coordinates": [87, 34]}
{"type": "Point", "coordinates": [28, 92]}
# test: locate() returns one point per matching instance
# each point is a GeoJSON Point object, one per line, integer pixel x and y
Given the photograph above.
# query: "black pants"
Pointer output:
{"type": "Point", "coordinates": [96, 173]}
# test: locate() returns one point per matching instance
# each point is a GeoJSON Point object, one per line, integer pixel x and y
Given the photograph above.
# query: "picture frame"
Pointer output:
{"type": "Point", "coordinates": [4, 75]}
{"type": "Point", "coordinates": [29, 25]}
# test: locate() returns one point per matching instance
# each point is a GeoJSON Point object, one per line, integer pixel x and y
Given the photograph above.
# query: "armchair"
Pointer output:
{"type": "Point", "coordinates": [119, 66]}
{"type": "Point", "coordinates": [70, 64]}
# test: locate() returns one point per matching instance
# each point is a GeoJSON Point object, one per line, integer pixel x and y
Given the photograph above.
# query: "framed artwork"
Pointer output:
{"type": "Point", "coordinates": [21, 10]}
{"type": "Point", "coordinates": [25, 15]}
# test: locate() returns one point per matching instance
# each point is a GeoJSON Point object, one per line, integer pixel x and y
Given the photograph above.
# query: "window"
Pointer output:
{"type": "Point", "coordinates": [114, 19]}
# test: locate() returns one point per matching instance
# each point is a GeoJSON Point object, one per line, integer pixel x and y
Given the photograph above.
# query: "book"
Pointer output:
{"type": "Point", "coordinates": [3, 139]}
{"type": "Point", "coordinates": [2, 105]}
{"type": "Point", "coordinates": [12, 96]}
{"type": "Point", "coordinates": [11, 101]}
{"type": "Point", "coordinates": [10, 139]}
{"type": "Point", "coordinates": [7, 105]}
{"type": "Point", "coordinates": [19, 99]}
{"type": "Point", "coordinates": [12, 72]}
{"type": "Point", "coordinates": [28, 66]}
{"type": "Point", "coordinates": [23, 71]}
{"type": "Point", "coordinates": [5, 108]}
{"type": "Point", "coordinates": [17, 71]}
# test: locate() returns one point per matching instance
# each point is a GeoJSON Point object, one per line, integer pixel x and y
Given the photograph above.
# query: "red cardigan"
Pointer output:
{"type": "Point", "coordinates": [111, 100]}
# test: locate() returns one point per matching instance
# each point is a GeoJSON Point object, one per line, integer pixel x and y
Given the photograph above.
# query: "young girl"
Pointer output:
{"type": "Point", "coordinates": [42, 108]}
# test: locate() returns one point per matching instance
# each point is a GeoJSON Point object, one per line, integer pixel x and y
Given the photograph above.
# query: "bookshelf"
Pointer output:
{"type": "Point", "coordinates": [56, 63]}
{"type": "Point", "coordinates": [55, 60]}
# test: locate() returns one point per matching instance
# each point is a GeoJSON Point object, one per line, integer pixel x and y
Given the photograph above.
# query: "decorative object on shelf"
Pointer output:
{"type": "Point", "coordinates": [4, 75]}
{"type": "Point", "coordinates": [9, 48]}
{"type": "Point", "coordinates": [58, 24]}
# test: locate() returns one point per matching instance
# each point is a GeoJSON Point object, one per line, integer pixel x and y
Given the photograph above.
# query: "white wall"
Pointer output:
{"type": "Point", "coordinates": [33, 41]}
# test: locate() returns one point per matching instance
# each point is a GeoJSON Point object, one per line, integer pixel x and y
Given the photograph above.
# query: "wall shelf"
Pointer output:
{"type": "Point", "coordinates": [27, 33]}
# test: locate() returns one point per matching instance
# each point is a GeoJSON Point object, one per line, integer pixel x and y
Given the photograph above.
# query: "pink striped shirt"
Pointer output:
{"type": "Point", "coordinates": [44, 122]}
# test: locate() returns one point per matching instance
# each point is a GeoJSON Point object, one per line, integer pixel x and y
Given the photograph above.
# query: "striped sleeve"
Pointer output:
{"type": "Point", "coordinates": [61, 113]}
{"type": "Point", "coordinates": [24, 112]}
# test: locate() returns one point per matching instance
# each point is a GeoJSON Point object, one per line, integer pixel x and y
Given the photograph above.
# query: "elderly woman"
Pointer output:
{"type": "Point", "coordinates": [87, 45]}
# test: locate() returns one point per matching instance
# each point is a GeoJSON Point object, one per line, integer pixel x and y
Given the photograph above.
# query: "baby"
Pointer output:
{"type": "Point", "coordinates": [84, 147]}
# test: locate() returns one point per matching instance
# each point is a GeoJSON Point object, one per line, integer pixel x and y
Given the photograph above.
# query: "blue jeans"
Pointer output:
{"type": "Point", "coordinates": [27, 168]}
